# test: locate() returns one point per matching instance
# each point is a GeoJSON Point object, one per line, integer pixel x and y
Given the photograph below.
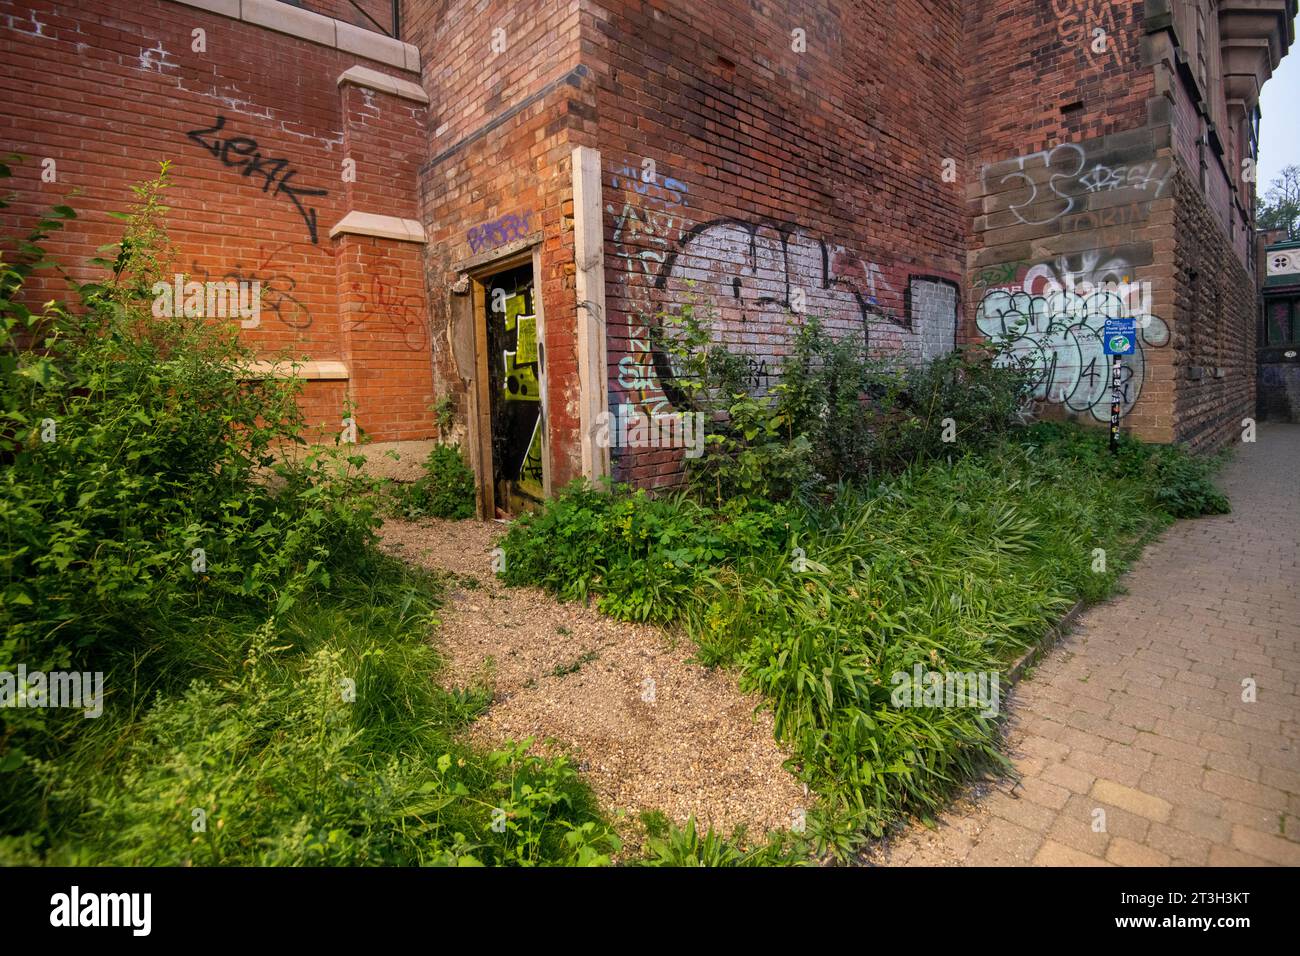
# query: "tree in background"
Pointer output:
{"type": "Point", "coordinates": [1279, 208]}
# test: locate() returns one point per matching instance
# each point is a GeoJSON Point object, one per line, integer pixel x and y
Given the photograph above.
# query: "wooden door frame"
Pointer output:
{"type": "Point", "coordinates": [480, 395]}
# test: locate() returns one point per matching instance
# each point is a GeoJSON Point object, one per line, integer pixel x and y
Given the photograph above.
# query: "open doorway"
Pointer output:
{"type": "Point", "coordinates": [514, 383]}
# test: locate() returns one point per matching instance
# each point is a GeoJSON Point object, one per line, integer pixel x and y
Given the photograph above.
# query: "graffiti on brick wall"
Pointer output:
{"type": "Point", "coordinates": [648, 219]}
{"type": "Point", "coordinates": [277, 286]}
{"type": "Point", "coordinates": [1077, 23]}
{"type": "Point", "coordinates": [243, 153]}
{"type": "Point", "coordinates": [1055, 318]}
{"type": "Point", "coordinates": [754, 274]}
{"type": "Point", "coordinates": [381, 306]}
{"type": "Point", "coordinates": [932, 308]}
{"type": "Point", "coordinates": [498, 232]}
{"type": "Point", "coordinates": [1122, 214]}
{"type": "Point", "coordinates": [1054, 183]}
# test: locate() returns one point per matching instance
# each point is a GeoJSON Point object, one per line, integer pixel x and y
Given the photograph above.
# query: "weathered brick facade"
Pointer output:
{"type": "Point", "coordinates": [922, 174]}
{"type": "Point", "coordinates": [257, 126]}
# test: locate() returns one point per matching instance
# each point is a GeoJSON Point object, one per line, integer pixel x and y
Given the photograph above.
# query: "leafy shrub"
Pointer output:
{"type": "Point", "coordinates": [134, 450]}
{"type": "Point", "coordinates": [445, 490]}
{"type": "Point", "coordinates": [1183, 486]}
{"type": "Point", "coordinates": [836, 415]}
{"type": "Point", "coordinates": [646, 558]}
{"type": "Point", "coordinates": [865, 417]}
{"type": "Point", "coordinates": [280, 680]}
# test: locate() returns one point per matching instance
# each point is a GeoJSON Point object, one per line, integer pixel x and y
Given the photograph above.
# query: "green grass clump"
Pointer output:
{"type": "Point", "coordinates": [318, 737]}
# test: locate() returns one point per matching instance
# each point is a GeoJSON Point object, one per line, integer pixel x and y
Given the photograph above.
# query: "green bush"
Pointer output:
{"type": "Point", "coordinates": [133, 448]}
{"type": "Point", "coordinates": [836, 415]}
{"type": "Point", "coordinates": [280, 680]}
{"type": "Point", "coordinates": [445, 490]}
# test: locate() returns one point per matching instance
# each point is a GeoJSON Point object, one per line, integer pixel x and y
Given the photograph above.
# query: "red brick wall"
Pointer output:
{"type": "Point", "coordinates": [1071, 196]}
{"type": "Point", "coordinates": [108, 90]}
{"type": "Point", "coordinates": [775, 171]}
{"type": "Point", "coordinates": [1214, 329]}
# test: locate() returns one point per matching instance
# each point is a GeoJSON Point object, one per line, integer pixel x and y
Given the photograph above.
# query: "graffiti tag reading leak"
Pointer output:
{"type": "Point", "coordinates": [242, 152]}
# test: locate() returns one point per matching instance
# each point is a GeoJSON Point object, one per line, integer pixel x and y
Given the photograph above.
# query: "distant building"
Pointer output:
{"type": "Point", "coordinates": [1279, 334]}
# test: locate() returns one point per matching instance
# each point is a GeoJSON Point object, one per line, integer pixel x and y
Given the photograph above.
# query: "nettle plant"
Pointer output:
{"type": "Point", "coordinates": [144, 472]}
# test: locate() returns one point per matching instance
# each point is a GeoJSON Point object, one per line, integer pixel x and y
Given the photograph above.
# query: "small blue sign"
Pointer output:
{"type": "Point", "coordinates": [1119, 336]}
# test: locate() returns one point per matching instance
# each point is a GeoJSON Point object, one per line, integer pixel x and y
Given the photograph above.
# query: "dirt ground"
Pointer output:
{"type": "Point", "coordinates": [647, 728]}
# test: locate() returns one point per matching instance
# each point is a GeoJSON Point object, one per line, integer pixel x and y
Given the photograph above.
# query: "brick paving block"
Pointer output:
{"type": "Point", "coordinates": [1003, 843]}
{"type": "Point", "coordinates": [1040, 746]}
{"type": "Point", "coordinates": [1282, 779]}
{"type": "Point", "coordinates": [1071, 778]}
{"type": "Point", "coordinates": [1043, 793]}
{"type": "Point", "coordinates": [1266, 846]}
{"type": "Point", "coordinates": [1130, 756]}
{"type": "Point", "coordinates": [1074, 829]}
{"type": "Point", "coordinates": [1227, 856]}
{"type": "Point", "coordinates": [1245, 791]}
{"type": "Point", "coordinates": [1200, 800]}
{"type": "Point", "coordinates": [1123, 852]}
{"type": "Point", "coordinates": [1237, 766]}
{"type": "Point", "coordinates": [1204, 825]}
{"type": "Point", "coordinates": [1178, 844]}
{"type": "Point", "coordinates": [1058, 854]}
{"type": "Point", "coordinates": [1134, 800]}
{"type": "Point", "coordinates": [1175, 773]}
{"type": "Point", "coordinates": [1257, 818]}
{"type": "Point", "coordinates": [1103, 766]}
{"type": "Point", "coordinates": [1077, 739]}
{"type": "Point", "coordinates": [1020, 811]}
{"type": "Point", "coordinates": [1190, 753]}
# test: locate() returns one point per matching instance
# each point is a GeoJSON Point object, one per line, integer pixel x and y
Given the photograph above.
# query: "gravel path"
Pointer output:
{"type": "Point", "coordinates": [647, 728]}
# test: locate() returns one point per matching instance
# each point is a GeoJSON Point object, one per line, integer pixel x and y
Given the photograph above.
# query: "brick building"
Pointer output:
{"type": "Point", "coordinates": [486, 204]}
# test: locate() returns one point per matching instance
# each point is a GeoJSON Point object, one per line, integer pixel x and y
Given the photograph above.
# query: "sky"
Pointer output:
{"type": "Point", "coordinates": [1279, 125]}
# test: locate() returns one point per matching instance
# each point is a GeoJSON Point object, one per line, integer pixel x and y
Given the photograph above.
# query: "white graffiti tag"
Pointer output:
{"type": "Point", "coordinates": [1061, 334]}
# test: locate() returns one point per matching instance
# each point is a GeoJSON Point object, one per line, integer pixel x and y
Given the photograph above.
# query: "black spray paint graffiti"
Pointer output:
{"type": "Point", "coordinates": [277, 288]}
{"type": "Point", "coordinates": [1061, 334]}
{"type": "Point", "coordinates": [756, 274]}
{"type": "Point", "coordinates": [241, 152]}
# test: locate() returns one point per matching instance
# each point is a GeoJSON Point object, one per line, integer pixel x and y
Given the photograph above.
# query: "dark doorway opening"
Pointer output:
{"type": "Point", "coordinates": [514, 388]}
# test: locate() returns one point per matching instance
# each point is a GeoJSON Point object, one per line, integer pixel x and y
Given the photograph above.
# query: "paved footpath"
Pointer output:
{"type": "Point", "coordinates": [1139, 712]}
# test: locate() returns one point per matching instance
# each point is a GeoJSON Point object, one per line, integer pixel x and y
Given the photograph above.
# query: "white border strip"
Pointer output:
{"type": "Point", "coordinates": [316, 27]}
